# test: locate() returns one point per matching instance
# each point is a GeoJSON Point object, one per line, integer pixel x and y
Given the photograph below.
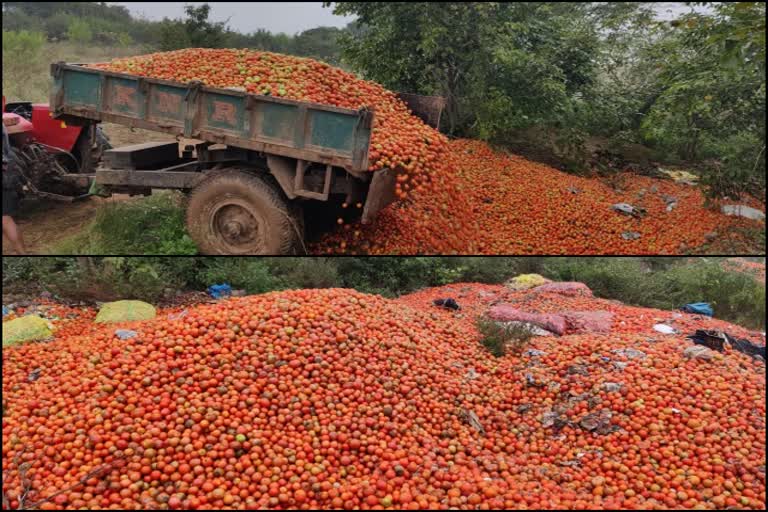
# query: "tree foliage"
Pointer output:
{"type": "Point", "coordinates": [692, 89]}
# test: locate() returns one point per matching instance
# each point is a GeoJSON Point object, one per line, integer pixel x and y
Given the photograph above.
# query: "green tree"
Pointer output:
{"type": "Point", "coordinates": [79, 32]}
{"type": "Point", "coordinates": [195, 30]}
{"type": "Point", "coordinates": [22, 61]}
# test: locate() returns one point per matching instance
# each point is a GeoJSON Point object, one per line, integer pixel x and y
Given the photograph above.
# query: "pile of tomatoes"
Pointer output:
{"type": "Point", "coordinates": [336, 399]}
{"type": "Point", "coordinates": [492, 202]}
{"type": "Point", "coordinates": [399, 140]}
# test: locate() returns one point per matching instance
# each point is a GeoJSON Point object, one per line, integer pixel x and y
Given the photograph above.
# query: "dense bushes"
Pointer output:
{"type": "Point", "coordinates": [665, 283]}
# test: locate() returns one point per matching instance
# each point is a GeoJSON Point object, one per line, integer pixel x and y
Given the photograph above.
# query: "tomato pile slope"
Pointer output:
{"type": "Point", "coordinates": [490, 202]}
{"type": "Point", "coordinates": [333, 398]}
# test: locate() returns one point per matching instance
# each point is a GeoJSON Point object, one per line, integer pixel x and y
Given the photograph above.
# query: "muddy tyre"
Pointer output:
{"type": "Point", "coordinates": [237, 212]}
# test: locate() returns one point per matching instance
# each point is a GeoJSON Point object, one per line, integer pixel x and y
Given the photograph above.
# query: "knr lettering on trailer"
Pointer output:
{"type": "Point", "coordinates": [168, 103]}
{"type": "Point", "coordinates": [125, 96]}
{"type": "Point", "coordinates": [223, 112]}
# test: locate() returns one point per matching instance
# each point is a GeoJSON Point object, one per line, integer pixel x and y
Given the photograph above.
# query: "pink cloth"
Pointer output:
{"type": "Point", "coordinates": [572, 289]}
{"type": "Point", "coordinates": [506, 313]}
{"type": "Point", "coordinates": [589, 321]}
{"type": "Point", "coordinates": [567, 321]}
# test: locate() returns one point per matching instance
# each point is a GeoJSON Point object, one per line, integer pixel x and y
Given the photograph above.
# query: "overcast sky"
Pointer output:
{"type": "Point", "coordinates": [288, 17]}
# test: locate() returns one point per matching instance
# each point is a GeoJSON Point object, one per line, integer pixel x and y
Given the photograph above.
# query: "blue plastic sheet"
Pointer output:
{"type": "Point", "coordinates": [699, 308]}
{"type": "Point", "coordinates": [218, 291]}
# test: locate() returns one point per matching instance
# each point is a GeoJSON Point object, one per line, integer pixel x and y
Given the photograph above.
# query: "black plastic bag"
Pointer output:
{"type": "Point", "coordinates": [447, 303]}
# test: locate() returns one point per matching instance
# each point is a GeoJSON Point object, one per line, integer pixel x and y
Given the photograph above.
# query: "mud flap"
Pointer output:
{"type": "Point", "coordinates": [380, 193]}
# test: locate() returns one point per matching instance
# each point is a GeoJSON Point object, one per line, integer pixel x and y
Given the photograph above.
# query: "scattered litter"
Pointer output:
{"type": "Point", "coordinates": [6, 311]}
{"type": "Point", "coordinates": [699, 352]}
{"type": "Point", "coordinates": [599, 422]}
{"type": "Point", "coordinates": [630, 353]}
{"type": "Point", "coordinates": [34, 375]}
{"type": "Point", "coordinates": [532, 328]}
{"type": "Point", "coordinates": [577, 369]}
{"type": "Point", "coordinates": [447, 303]}
{"type": "Point", "coordinates": [125, 334]}
{"type": "Point", "coordinates": [630, 235]}
{"type": "Point", "coordinates": [719, 341]}
{"type": "Point", "coordinates": [534, 353]}
{"type": "Point", "coordinates": [471, 374]}
{"type": "Point", "coordinates": [177, 316]}
{"type": "Point", "coordinates": [664, 329]}
{"type": "Point", "coordinates": [628, 209]}
{"type": "Point", "coordinates": [218, 291]}
{"type": "Point", "coordinates": [471, 418]}
{"type": "Point", "coordinates": [741, 210]}
{"type": "Point", "coordinates": [670, 201]}
{"type": "Point", "coordinates": [611, 387]}
{"type": "Point", "coordinates": [699, 308]}
{"type": "Point", "coordinates": [531, 381]}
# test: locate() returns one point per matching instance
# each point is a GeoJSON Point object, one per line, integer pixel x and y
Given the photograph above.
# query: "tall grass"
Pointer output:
{"type": "Point", "coordinates": [27, 59]}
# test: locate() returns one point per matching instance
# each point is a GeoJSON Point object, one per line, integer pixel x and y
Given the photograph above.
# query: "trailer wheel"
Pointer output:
{"type": "Point", "coordinates": [235, 212]}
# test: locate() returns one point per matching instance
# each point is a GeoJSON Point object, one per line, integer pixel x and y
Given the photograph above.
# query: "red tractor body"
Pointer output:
{"type": "Point", "coordinates": [34, 122]}
{"type": "Point", "coordinates": [48, 152]}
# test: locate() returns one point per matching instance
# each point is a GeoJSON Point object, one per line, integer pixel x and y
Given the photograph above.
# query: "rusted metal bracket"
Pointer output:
{"type": "Point", "coordinates": [298, 187]}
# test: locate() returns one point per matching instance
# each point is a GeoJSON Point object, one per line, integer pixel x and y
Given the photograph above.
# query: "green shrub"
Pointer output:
{"type": "Point", "coordinates": [23, 62]}
{"type": "Point", "coordinates": [301, 272]}
{"type": "Point", "coordinates": [500, 338]}
{"type": "Point", "coordinates": [251, 274]}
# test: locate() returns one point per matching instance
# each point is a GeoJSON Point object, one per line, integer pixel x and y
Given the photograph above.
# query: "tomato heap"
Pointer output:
{"type": "Point", "coordinates": [399, 140]}
{"type": "Point", "coordinates": [491, 202]}
{"type": "Point", "coordinates": [336, 399]}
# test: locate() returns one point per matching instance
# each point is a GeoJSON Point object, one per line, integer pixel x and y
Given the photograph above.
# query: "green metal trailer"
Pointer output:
{"type": "Point", "coordinates": [260, 158]}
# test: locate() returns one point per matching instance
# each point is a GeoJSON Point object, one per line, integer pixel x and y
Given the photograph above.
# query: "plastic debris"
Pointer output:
{"type": "Point", "coordinates": [664, 329]}
{"type": "Point", "coordinates": [628, 209]}
{"type": "Point", "coordinates": [699, 352]}
{"type": "Point", "coordinates": [699, 308]}
{"type": "Point", "coordinates": [741, 210]}
{"type": "Point", "coordinates": [218, 291]}
{"type": "Point", "coordinates": [630, 353]}
{"type": "Point", "coordinates": [125, 334]}
{"type": "Point", "coordinates": [447, 303]}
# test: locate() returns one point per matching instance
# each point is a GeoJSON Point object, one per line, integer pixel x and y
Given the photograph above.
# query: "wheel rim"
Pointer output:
{"type": "Point", "coordinates": [237, 227]}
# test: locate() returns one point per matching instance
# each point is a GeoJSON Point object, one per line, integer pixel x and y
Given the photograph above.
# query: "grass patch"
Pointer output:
{"type": "Point", "coordinates": [152, 225]}
{"type": "Point", "coordinates": [501, 338]}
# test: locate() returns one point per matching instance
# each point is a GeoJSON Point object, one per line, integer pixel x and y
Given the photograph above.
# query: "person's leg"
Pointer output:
{"type": "Point", "coordinates": [12, 233]}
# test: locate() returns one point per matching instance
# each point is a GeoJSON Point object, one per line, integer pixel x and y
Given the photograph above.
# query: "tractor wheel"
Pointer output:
{"type": "Point", "coordinates": [237, 212]}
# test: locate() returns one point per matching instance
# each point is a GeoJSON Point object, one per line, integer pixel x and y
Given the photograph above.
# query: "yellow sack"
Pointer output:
{"type": "Point", "coordinates": [125, 311]}
{"type": "Point", "coordinates": [681, 176]}
{"type": "Point", "coordinates": [25, 328]}
{"type": "Point", "coordinates": [526, 281]}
